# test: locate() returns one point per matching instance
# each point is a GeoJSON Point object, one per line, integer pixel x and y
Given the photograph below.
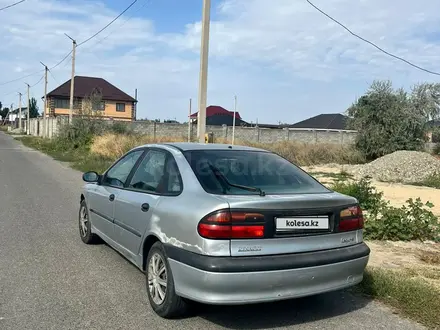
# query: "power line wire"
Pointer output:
{"type": "Point", "coordinates": [64, 58]}
{"type": "Point", "coordinates": [108, 23]}
{"type": "Point", "coordinates": [371, 43]}
{"type": "Point", "coordinates": [120, 26]}
{"type": "Point", "coordinates": [42, 77]}
{"type": "Point", "coordinates": [14, 80]}
{"type": "Point", "coordinates": [14, 4]}
{"type": "Point", "coordinates": [108, 35]}
{"type": "Point", "coordinates": [56, 80]}
{"type": "Point", "coordinates": [7, 94]}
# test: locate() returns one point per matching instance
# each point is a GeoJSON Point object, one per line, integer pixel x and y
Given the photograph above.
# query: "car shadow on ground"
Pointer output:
{"type": "Point", "coordinates": [283, 313]}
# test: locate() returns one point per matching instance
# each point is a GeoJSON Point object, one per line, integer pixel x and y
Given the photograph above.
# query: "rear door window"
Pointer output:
{"type": "Point", "coordinates": [157, 173]}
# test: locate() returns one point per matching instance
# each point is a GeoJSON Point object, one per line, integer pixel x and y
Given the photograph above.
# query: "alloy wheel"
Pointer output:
{"type": "Point", "coordinates": [83, 219]}
{"type": "Point", "coordinates": [157, 279]}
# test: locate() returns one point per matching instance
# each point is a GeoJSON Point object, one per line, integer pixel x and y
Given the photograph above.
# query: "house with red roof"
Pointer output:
{"type": "Point", "coordinates": [218, 116]}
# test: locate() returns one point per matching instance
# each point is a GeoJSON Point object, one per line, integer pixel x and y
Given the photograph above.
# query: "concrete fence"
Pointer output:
{"type": "Point", "coordinates": [180, 131]}
{"type": "Point", "coordinates": [36, 126]}
{"type": "Point", "coordinates": [252, 134]}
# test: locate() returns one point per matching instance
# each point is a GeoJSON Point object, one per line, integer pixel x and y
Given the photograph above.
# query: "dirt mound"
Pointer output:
{"type": "Point", "coordinates": [400, 166]}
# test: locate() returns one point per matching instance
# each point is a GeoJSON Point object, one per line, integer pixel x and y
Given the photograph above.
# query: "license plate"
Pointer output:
{"type": "Point", "coordinates": [302, 223]}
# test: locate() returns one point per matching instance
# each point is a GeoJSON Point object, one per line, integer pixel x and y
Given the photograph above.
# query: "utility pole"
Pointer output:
{"type": "Point", "coordinates": [72, 79]}
{"type": "Point", "coordinates": [233, 119]}
{"type": "Point", "coordinates": [45, 100]}
{"type": "Point", "coordinates": [189, 120]}
{"type": "Point", "coordinates": [203, 78]}
{"type": "Point", "coordinates": [19, 112]}
{"type": "Point", "coordinates": [28, 121]}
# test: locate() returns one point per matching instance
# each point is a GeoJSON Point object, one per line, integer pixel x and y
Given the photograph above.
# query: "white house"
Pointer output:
{"type": "Point", "coordinates": [14, 115]}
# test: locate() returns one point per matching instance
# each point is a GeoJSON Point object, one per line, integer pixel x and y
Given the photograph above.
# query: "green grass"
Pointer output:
{"type": "Point", "coordinates": [412, 297]}
{"type": "Point", "coordinates": [79, 158]}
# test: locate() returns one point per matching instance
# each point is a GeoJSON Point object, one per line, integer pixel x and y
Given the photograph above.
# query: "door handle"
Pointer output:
{"type": "Point", "coordinates": [145, 207]}
{"type": "Point", "coordinates": [111, 198]}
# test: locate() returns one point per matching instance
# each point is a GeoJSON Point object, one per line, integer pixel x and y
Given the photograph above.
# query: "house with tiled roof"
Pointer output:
{"type": "Point", "coordinates": [218, 116]}
{"type": "Point", "coordinates": [329, 121]}
{"type": "Point", "coordinates": [113, 103]}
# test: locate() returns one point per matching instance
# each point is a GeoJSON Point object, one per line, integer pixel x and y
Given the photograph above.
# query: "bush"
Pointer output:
{"type": "Point", "coordinates": [367, 196]}
{"type": "Point", "coordinates": [413, 221]}
{"type": "Point", "coordinates": [118, 127]}
{"type": "Point", "coordinates": [80, 132]}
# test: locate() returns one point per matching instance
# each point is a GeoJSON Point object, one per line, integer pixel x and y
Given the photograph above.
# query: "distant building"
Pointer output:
{"type": "Point", "coordinates": [14, 114]}
{"type": "Point", "coordinates": [114, 104]}
{"type": "Point", "coordinates": [330, 121]}
{"type": "Point", "coordinates": [218, 116]}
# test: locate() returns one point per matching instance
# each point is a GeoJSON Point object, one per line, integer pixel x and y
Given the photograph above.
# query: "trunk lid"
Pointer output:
{"type": "Point", "coordinates": [288, 223]}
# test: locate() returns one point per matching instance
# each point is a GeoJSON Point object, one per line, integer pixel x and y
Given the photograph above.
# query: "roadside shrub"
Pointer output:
{"type": "Point", "coordinates": [119, 128]}
{"type": "Point", "coordinates": [412, 221]}
{"type": "Point", "coordinates": [80, 132]}
{"type": "Point", "coordinates": [369, 198]}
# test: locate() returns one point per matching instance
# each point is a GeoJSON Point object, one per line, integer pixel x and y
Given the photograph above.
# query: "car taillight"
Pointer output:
{"type": "Point", "coordinates": [351, 219]}
{"type": "Point", "coordinates": [230, 225]}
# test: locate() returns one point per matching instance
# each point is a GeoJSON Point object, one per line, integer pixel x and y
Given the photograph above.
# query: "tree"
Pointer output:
{"type": "Point", "coordinates": [33, 108]}
{"type": "Point", "coordinates": [3, 113]}
{"type": "Point", "coordinates": [425, 99]}
{"type": "Point", "coordinates": [387, 120]}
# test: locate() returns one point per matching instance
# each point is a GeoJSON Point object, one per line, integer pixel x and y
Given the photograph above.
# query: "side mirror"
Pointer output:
{"type": "Point", "coordinates": [91, 177]}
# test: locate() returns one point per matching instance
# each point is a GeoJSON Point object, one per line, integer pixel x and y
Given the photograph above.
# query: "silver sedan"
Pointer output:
{"type": "Point", "coordinates": [221, 224]}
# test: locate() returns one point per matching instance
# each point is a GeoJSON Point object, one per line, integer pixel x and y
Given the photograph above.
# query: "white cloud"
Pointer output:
{"type": "Point", "coordinates": [284, 60]}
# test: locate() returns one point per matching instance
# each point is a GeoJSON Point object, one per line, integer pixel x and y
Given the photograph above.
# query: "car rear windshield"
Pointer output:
{"type": "Point", "coordinates": [256, 169]}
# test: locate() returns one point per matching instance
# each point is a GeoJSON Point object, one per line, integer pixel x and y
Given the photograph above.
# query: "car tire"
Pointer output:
{"type": "Point", "coordinates": [170, 305]}
{"type": "Point", "coordinates": [85, 226]}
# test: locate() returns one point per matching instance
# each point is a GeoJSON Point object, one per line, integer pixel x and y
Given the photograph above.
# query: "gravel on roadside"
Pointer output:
{"type": "Point", "coordinates": [399, 166]}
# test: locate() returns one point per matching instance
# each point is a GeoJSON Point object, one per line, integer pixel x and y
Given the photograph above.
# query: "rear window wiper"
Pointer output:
{"type": "Point", "coordinates": [220, 176]}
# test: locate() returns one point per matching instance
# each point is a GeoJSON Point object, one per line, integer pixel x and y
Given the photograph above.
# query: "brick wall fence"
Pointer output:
{"type": "Point", "coordinates": [180, 131]}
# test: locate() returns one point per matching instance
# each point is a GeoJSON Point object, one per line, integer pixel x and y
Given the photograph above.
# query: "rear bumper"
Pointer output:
{"type": "Point", "coordinates": [260, 281]}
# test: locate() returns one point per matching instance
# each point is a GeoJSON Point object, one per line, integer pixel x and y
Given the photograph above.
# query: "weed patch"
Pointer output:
{"type": "Point", "coordinates": [413, 297]}
{"type": "Point", "coordinates": [430, 257]}
{"type": "Point", "coordinates": [412, 221]}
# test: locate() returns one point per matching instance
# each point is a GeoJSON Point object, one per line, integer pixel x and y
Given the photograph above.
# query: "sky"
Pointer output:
{"type": "Point", "coordinates": [283, 60]}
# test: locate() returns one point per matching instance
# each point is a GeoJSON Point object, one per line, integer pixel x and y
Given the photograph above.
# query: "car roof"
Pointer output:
{"type": "Point", "coordinates": [188, 146]}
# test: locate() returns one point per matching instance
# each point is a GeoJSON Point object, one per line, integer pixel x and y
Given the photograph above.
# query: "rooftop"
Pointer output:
{"type": "Point", "coordinates": [334, 121]}
{"type": "Point", "coordinates": [86, 85]}
{"type": "Point", "coordinates": [214, 110]}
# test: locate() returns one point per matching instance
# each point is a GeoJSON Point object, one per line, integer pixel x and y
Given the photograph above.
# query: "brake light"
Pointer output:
{"type": "Point", "coordinates": [351, 219]}
{"type": "Point", "coordinates": [230, 225]}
